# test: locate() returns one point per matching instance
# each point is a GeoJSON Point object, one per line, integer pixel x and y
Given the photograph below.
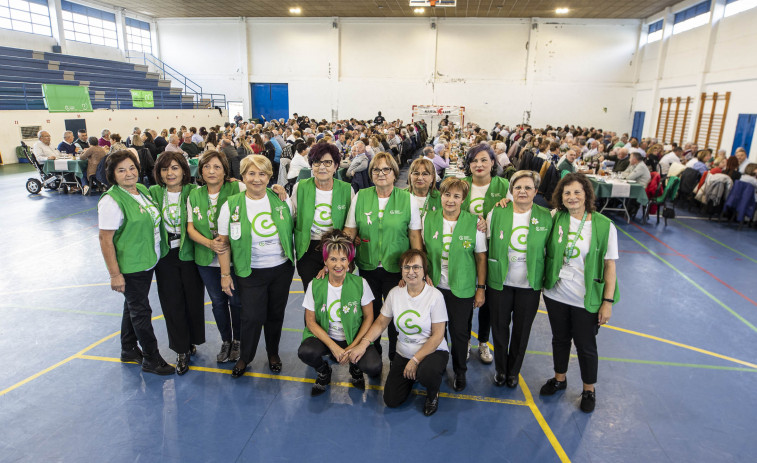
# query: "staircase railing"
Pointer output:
{"type": "Point", "coordinates": [166, 72]}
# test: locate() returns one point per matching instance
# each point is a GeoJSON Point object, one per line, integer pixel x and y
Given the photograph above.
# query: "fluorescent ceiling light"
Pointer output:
{"type": "Point", "coordinates": [562, 11]}
{"type": "Point", "coordinates": [418, 10]}
{"type": "Point", "coordinates": [295, 10]}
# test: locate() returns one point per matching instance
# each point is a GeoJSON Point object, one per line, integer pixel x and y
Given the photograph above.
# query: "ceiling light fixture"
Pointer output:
{"type": "Point", "coordinates": [295, 10]}
{"type": "Point", "coordinates": [562, 11]}
{"type": "Point", "coordinates": [419, 10]}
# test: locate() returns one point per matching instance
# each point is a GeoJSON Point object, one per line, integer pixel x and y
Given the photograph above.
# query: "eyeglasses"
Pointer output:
{"type": "Point", "coordinates": [420, 174]}
{"type": "Point", "coordinates": [523, 188]}
{"type": "Point", "coordinates": [325, 163]}
{"type": "Point", "coordinates": [414, 268]}
{"type": "Point", "coordinates": [383, 170]}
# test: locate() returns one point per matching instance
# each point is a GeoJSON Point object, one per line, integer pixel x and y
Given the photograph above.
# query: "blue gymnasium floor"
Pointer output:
{"type": "Point", "coordinates": [675, 381]}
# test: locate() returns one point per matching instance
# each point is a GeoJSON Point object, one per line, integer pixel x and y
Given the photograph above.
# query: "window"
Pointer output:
{"type": "Point", "coordinates": [691, 17]}
{"type": "Point", "coordinates": [25, 16]}
{"type": "Point", "coordinates": [733, 7]}
{"type": "Point", "coordinates": [89, 25]}
{"type": "Point", "coordinates": [655, 32]}
{"type": "Point", "coordinates": [138, 36]}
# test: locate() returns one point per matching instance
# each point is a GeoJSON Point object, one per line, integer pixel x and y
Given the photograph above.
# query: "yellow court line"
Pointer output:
{"type": "Point", "coordinates": [537, 414]}
{"type": "Point", "coordinates": [64, 361]}
{"type": "Point", "coordinates": [678, 344]}
{"type": "Point", "coordinates": [297, 379]}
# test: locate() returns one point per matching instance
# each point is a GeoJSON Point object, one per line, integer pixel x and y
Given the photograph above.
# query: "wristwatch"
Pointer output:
{"type": "Point", "coordinates": [480, 286]}
{"type": "Point", "coordinates": [606, 299]}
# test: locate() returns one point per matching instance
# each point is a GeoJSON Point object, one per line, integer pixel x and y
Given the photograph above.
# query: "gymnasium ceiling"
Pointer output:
{"type": "Point", "coordinates": [638, 9]}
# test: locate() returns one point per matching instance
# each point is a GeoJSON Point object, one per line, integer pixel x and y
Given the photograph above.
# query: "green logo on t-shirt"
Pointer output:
{"type": "Point", "coordinates": [405, 322]}
{"type": "Point", "coordinates": [572, 242]}
{"type": "Point", "coordinates": [477, 205]}
{"type": "Point", "coordinates": [262, 223]}
{"type": "Point", "coordinates": [334, 311]}
{"type": "Point", "coordinates": [446, 241]}
{"type": "Point", "coordinates": [518, 239]}
{"type": "Point", "coordinates": [322, 216]}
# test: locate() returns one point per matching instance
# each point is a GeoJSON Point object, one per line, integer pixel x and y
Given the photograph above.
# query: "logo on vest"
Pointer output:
{"type": "Point", "coordinates": [518, 239]}
{"type": "Point", "coordinates": [322, 216]}
{"type": "Point", "coordinates": [263, 226]}
{"type": "Point", "coordinates": [395, 212]}
{"type": "Point", "coordinates": [341, 207]}
{"type": "Point", "coordinates": [407, 322]}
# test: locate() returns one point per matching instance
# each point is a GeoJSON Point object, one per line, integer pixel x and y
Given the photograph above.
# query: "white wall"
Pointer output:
{"type": "Point", "coordinates": [121, 122]}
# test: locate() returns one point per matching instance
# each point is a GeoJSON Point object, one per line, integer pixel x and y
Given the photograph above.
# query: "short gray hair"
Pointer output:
{"type": "Point", "coordinates": [525, 174]}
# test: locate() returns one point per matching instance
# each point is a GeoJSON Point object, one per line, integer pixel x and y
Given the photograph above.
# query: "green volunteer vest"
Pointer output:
{"type": "Point", "coordinates": [499, 246]}
{"type": "Point", "coordinates": [497, 190]}
{"type": "Point", "coordinates": [384, 239]}
{"type": "Point", "coordinates": [340, 203]}
{"type": "Point", "coordinates": [433, 202]}
{"type": "Point", "coordinates": [134, 240]}
{"type": "Point", "coordinates": [594, 264]}
{"type": "Point", "coordinates": [241, 249]}
{"type": "Point", "coordinates": [462, 262]}
{"type": "Point", "coordinates": [200, 202]}
{"type": "Point", "coordinates": [351, 313]}
{"type": "Point", "coordinates": [186, 245]}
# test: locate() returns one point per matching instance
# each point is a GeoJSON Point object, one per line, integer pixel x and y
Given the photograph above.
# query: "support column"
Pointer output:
{"type": "Point", "coordinates": [335, 67]}
{"type": "Point", "coordinates": [530, 71]}
{"type": "Point", "coordinates": [121, 29]}
{"type": "Point", "coordinates": [154, 38]}
{"type": "Point", "coordinates": [244, 68]}
{"type": "Point", "coordinates": [56, 24]}
{"type": "Point", "coordinates": [667, 32]}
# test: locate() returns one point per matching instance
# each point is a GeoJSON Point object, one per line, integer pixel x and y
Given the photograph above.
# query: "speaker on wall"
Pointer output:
{"type": "Point", "coordinates": [56, 48]}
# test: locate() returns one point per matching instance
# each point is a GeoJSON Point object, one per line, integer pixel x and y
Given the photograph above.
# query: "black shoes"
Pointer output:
{"type": "Point", "coordinates": [223, 356]}
{"type": "Point", "coordinates": [323, 380]}
{"type": "Point", "coordinates": [274, 363]}
{"type": "Point", "coordinates": [238, 369]}
{"type": "Point", "coordinates": [182, 364]}
{"type": "Point", "coordinates": [155, 364]}
{"type": "Point", "coordinates": [588, 401]}
{"type": "Point", "coordinates": [133, 355]}
{"type": "Point", "coordinates": [431, 405]}
{"type": "Point", "coordinates": [236, 351]}
{"type": "Point", "coordinates": [499, 379]}
{"type": "Point", "coordinates": [552, 385]}
{"type": "Point", "coordinates": [358, 380]}
{"type": "Point", "coordinates": [512, 382]}
{"type": "Point", "coordinates": [459, 383]}
{"type": "Point", "coordinates": [192, 350]}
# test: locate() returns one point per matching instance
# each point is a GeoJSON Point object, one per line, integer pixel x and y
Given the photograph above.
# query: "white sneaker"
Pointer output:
{"type": "Point", "coordinates": [467, 355]}
{"type": "Point", "coordinates": [484, 353]}
{"type": "Point", "coordinates": [85, 190]}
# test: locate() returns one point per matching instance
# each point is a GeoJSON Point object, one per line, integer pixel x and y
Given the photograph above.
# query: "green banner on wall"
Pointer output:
{"type": "Point", "coordinates": [66, 98]}
{"type": "Point", "coordinates": [142, 99]}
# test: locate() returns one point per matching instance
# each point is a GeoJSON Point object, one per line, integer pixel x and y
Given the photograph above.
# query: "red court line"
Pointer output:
{"type": "Point", "coordinates": [696, 265]}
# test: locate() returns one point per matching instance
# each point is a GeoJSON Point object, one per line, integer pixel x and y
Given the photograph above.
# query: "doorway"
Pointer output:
{"type": "Point", "coordinates": [269, 101]}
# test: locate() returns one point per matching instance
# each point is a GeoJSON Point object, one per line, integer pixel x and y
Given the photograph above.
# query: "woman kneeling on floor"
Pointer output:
{"type": "Point", "coordinates": [420, 316]}
{"type": "Point", "coordinates": [339, 311]}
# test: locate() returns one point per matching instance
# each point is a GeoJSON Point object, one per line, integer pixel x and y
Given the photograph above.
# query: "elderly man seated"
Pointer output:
{"type": "Point", "coordinates": [173, 145]}
{"type": "Point", "coordinates": [359, 159]}
{"type": "Point", "coordinates": [189, 146]}
{"type": "Point", "coordinates": [637, 171]}
{"type": "Point", "coordinates": [621, 160]}
{"type": "Point", "coordinates": [67, 146]}
{"type": "Point", "coordinates": [42, 149]}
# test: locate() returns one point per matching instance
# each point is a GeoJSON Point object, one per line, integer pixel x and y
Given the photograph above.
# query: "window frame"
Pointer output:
{"type": "Point", "coordinates": [30, 19]}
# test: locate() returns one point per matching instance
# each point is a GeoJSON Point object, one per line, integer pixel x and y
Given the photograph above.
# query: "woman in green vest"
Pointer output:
{"type": "Point", "coordinates": [258, 225]}
{"type": "Point", "coordinates": [580, 284]}
{"type": "Point", "coordinates": [515, 274]}
{"type": "Point", "coordinates": [203, 207]}
{"type": "Point", "coordinates": [180, 287]}
{"type": "Point", "coordinates": [387, 225]}
{"type": "Point", "coordinates": [485, 190]}
{"type": "Point", "coordinates": [422, 186]}
{"type": "Point", "coordinates": [457, 266]}
{"type": "Point", "coordinates": [319, 205]}
{"type": "Point", "coordinates": [338, 313]}
{"type": "Point", "coordinates": [130, 241]}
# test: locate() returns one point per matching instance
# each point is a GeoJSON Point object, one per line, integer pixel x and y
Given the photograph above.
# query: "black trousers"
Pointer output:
{"type": "Point", "coordinates": [430, 374]}
{"type": "Point", "coordinates": [264, 294]}
{"type": "Point", "coordinates": [381, 282]}
{"type": "Point", "coordinates": [459, 312]}
{"type": "Point", "coordinates": [579, 325]}
{"type": "Point", "coordinates": [310, 264]}
{"type": "Point", "coordinates": [312, 350]}
{"type": "Point", "coordinates": [136, 324]}
{"type": "Point", "coordinates": [484, 322]}
{"type": "Point", "coordinates": [520, 306]}
{"type": "Point", "coordinates": [182, 298]}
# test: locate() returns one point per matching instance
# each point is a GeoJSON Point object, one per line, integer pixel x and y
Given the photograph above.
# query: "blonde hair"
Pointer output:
{"type": "Point", "coordinates": [259, 161]}
{"type": "Point", "coordinates": [454, 183]}
{"type": "Point", "coordinates": [416, 166]}
{"type": "Point", "coordinates": [525, 174]}
{"type": "Point", "coordinates": [388, 159]}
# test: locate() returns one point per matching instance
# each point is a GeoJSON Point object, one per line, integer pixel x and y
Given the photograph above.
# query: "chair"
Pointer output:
{"type": "Point", "coordinates": [670, 193]}
{"type": "Point", "coordinates": [304, 173]}
{"type": "Point", "coordinates": [741, 202]}
{"type": "Point", "coordinates": [341, 174]}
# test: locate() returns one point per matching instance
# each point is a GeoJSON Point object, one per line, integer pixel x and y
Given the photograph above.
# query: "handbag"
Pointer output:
{"type": "Point", "coordinates": [668, 212]}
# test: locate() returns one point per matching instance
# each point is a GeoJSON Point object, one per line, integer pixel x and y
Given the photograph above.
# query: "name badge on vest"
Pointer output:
{"type": "Point", "coordinates": [235, 230]}
{"type": "Point", "coordinates": [175, 243]}
{"type": "Point", "coordinates": [566, 273]}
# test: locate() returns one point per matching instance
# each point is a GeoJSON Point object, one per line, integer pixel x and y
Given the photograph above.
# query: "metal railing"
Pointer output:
{"type": "Point", "coordinates": [166, 72]}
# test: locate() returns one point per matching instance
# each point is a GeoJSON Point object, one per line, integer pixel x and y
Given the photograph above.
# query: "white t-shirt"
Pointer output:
{"type": "Point", "coordinates": [266, 248]}
{"type": "Point", "coordinates": [572, 291]}
{"type": "Point", "coordinates": [110, 217]}
{"type": "Point", "coordinates": [418, 202]}
{"type": "Point", "coordinates": [517, 271]}
{"type": "Point", "coordinates": [172, 214]}
{"type": "Point", "coordinates": [333, 305]}
{"type": "Point", "coordinates": [213, 213]}
{"type": "Point", "coordinates": [322, 217]}
{"type": "Point", "coordinates": [477, 196]}
{"type": "Point", "coordinates": [413, 317]}
{"type": "Point", "coordinates": [448, 228]}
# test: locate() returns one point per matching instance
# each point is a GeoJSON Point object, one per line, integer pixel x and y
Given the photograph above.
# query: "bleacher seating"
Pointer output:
{"type": "Point", "coordinates": [23, 71]}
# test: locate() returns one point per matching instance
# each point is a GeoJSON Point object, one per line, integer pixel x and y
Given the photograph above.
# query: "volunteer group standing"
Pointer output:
{"type": "Point", "coordinates": [426, 259]}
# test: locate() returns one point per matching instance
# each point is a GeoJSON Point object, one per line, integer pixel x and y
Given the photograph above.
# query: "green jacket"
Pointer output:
{"type": "Point", "coordinates": [462, 262]}
{"type": "Point", "coordinates": [351, 312]}
{"type": "Point", "coordinates": [186, 245]}
{"type": "Point", "coordinates": [497, 190]}
{"type": "Point", "coordinates": [340, 203]}
{"type": "Point", "coordinates": [200, 202]}
{"type": "Point", "coordinates": [385, 239]}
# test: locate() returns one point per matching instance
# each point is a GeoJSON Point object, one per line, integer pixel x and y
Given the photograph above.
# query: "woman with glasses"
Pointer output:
{"type": "Point", "coordinates": [384, 224]}
{"type": "Point", "coordinates": [486, 190]}
{"type": "Point", "coordinates": [517, 240]}
{"type": "Point", "coordinates": [457, 266]}
{"type": "Point", "coordinates": [203, 206]}
{"type": "Point", "coordinates": [419, 314]}
{"type": "Point", "coordinates": [319, 205]}
{"type": "Point", "coordinates": [422, 186]}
